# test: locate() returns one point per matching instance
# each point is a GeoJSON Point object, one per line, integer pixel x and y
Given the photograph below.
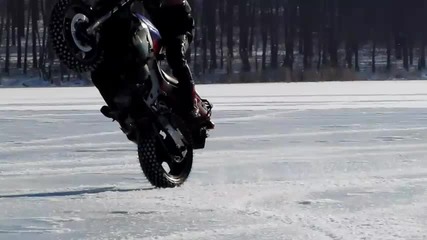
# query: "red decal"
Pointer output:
{"type": "Point", "coordinates": [156, 46]}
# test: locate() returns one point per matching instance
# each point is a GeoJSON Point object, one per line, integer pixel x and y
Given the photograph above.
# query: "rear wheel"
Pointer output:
{"type": "Point", "coordinates": [161, 166]}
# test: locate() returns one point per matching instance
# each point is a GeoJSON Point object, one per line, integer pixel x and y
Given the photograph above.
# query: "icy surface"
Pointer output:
{"type": "Point", "coordinates": [287, 161]}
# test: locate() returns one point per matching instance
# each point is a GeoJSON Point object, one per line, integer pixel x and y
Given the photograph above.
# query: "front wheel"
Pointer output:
{"type": "Point", "coordinates": [162, 168]}
{"type": "Point", "coordinates": [68, 20]}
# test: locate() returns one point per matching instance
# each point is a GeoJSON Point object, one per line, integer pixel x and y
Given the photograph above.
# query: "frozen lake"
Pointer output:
{"type": "Point", "coordinates": [339, 160]}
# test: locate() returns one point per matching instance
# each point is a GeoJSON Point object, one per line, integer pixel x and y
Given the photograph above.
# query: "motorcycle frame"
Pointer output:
{"type": "Point", "coordinates": [142, 41]}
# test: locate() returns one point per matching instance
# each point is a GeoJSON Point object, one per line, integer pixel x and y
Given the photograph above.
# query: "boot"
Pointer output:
{"type": "Point", "coordinates": [194, 113]}
{"type": "Point", "coordinates": [189, 104]}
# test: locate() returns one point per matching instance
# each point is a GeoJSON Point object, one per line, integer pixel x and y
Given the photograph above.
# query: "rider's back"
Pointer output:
{"type": "Point", "coordinates": [172, 17]}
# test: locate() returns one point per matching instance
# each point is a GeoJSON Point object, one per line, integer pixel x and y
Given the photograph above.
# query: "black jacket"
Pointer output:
{"type": "Point", "coordinates": [172, 20]}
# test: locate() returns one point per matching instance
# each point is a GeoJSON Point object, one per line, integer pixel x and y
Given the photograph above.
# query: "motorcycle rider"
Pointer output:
{"type": "Point", "coordinates": [174, 20]}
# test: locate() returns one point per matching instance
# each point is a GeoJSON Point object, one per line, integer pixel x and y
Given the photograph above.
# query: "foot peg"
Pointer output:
{"type": "Point", "coordinates": [210, 125]}
{"type": "Point", "coordinates": [125, 127]}
{"type": "Point", "coordinates": [109, 113]}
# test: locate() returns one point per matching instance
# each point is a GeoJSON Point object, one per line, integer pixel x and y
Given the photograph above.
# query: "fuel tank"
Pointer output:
{"type": "Point", "coordinates": [150, 31]}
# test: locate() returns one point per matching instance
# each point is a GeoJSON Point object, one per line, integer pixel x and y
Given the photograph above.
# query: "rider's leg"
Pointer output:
{"type": "Point", "coordinates": [107, 82]}
{"type": "Point", "coordinates": [176, 48]}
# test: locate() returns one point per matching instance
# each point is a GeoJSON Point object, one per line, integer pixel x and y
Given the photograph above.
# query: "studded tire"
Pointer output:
{"type": "Point", "coordinates": [152, 155]}
{"type": "Point", "coordinates": [63, 43]}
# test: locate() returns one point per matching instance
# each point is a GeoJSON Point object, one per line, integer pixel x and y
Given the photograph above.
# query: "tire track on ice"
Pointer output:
{"type": "Point", "coordinates": [119, 168]}
{"type": "Point", "coordinates": [254, 117]}
{"type": "Point", "coordinates": [32, 163]}
{"type": "Point", "coordinates": [54, 139]}
{"type": "Point", "coordinates": [106, 146]}
{"type": "Point", "coordinates": [319, 133]}
{"type": "Point", "coordinates": [215, 233]}
{"type": "Point", "coordinates": [242, 205]}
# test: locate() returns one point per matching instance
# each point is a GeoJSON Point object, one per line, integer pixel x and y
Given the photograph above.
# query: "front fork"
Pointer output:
{"type": "Point", "coordinates": [156, 116]}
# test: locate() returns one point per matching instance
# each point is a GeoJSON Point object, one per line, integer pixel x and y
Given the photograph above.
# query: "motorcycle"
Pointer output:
{"type": "Point", "coordinates": [149, 114]}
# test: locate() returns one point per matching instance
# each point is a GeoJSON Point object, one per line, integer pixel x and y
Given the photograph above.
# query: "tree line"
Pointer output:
{"type": "Point", "coordinates": [24, 44]}
{"type": "Point", "coordinates": [314, 33]}
{"type": "Point", "coordinates": [252, 35]}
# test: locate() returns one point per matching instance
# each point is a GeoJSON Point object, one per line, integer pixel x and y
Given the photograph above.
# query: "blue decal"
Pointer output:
{"type": "Point", "coordinates": [153, 30]}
